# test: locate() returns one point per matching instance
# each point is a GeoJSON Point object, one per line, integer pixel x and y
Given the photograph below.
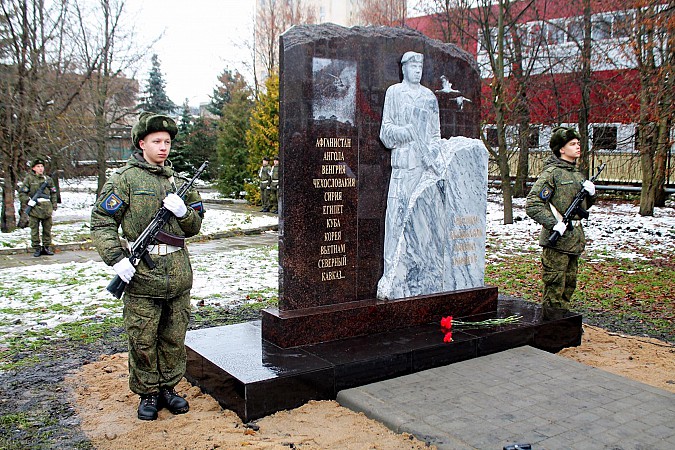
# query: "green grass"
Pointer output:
{"type": "Point", "coordinates": [20, 351]}
{"type": "Point", "coordinates": [627, 289]}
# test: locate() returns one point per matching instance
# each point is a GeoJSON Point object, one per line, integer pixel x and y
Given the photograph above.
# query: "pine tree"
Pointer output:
{"type": "Point", "coordinates": [262, 138]}
{"type": "Point", "coordinates": [180, 156]}
{"type": "Point", "coordinates": [233, 155]}
{"type": "Point", "coordinates": [154, 96]}
{"type": "Point", "coordinates": [200, 146]}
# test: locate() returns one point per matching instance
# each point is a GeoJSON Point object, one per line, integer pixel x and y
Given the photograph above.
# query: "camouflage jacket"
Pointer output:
{"type": "Point", "coordinates": [274, 176]}
{"type": "Point", "coordinates": [265, 176]}
{"type": "Point", "coordinates": [130, 199]}
{"type": "Point", "coordinates": [46, 203]}
{"type": "Point", "coordinates": [557, 185]}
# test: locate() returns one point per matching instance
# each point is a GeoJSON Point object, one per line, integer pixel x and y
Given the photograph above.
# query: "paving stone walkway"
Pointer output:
{"type": "Point", "coordinates": [521, 396]}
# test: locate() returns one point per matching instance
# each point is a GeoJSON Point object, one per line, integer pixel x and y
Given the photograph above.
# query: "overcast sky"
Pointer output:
{"type": "Point", "coordinates": [201, 39]}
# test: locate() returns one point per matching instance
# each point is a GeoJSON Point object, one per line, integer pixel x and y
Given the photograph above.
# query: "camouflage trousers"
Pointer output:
{"type": "Point", "coordinates": [274, 200]}
{"type": "Point", "coordinates": [559, 273]}
{"type": "Point", "coordinates": [156, 330]}
{"type": "Point", "coordinates": [35, 225]}
{"type": "Point", "coordinates": [265, 197]}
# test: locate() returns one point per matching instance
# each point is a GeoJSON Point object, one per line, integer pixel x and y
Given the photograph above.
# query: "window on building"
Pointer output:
{"type": "Point", "coordinates": [533, 138]}
{"type": "Point", "coordinates": [491, 135]}
{"type": "Point", "coordinates": [601, 27]}
{"type": "Point", "coordinates": [604, 137]}
{"type": "Point", "coordinates": [575, 30]}
{"type": "Point", "coordinates": [622, 25]}
{"type": "Point", "coordinates": [555, 33]}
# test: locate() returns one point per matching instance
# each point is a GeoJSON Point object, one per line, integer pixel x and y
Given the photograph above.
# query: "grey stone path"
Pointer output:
{"type": "Point", "coordinates": [525, 396]}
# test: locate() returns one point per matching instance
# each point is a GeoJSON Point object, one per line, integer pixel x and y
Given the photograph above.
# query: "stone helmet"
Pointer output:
{"type": "Point", "coordinates": [150, 122]}
{"type": "Point", "coordinates": [560, 137]}
{"type": "Point", "coordinates": [412, 56]}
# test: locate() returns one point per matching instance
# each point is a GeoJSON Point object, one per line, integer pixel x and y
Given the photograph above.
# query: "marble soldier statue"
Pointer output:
{"type": "Point", "coordinates": [423, 192]}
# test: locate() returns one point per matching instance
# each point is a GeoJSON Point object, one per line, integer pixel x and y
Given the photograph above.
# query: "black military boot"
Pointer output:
{"type": "Point", "coordinates": [38, 252]}
{"type": "Point", "coordinates": [147, 409]}
{"type": "Point", "coordinates": [47, 251]}
{"type": "Point", "coordinates": [173, 402]}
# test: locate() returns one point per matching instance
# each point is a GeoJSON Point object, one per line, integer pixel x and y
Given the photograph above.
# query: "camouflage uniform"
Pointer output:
{"type": "Point", "coordinates": [265, 179]}
{"type": "Point", "coordinates": [41, 213]}
{"type": "Point", "coordinates": [156, 301]}
{"type": "Point", "coordinates": [558, 184]}
{"type": "Point", "coordinates": [274, 189]}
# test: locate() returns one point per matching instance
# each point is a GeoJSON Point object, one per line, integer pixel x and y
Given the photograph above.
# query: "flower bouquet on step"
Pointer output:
{"type": "Point", "coordinates": [448, 323]}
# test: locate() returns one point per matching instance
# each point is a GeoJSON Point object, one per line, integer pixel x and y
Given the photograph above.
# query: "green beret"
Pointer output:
{"type": "Point", "coordinates": [37, 161]}
{"type": "Point", "coordinates": [560, 137]}
{"type": "Point", "coordinates": [150, 122]}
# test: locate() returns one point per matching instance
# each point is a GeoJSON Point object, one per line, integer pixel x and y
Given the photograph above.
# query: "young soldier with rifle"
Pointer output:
{"type": "Point", "coordinates": [38, 194]}
{"type": "Point", "coordinates": [157, 294]}
{"type": "Point", "coordinates": [562, 238]}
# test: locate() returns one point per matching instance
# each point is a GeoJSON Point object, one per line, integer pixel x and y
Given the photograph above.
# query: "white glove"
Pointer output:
{"type": "Point", "coordinates": [560, 227]}
{"type": "Point", "coordinates": [589, 187]}
{"type": "Point", "coordinates": [32, 203]}
{"type": "Point", "coordinates": [125, 269]}
{"type": "Point", "coordinates": [176, 205]}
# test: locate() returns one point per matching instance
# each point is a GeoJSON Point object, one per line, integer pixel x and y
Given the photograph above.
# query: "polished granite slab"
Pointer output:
{"type": "Point", "coordinates": [255, 378]}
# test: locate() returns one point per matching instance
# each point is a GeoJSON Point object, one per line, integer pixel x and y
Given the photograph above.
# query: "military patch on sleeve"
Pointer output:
{"type": "Point", "coordinates": [112, 203]}
{"type": "Point", "coordinates": [198, 207]}
{"type": "Point", "coordinates": [546, 193]}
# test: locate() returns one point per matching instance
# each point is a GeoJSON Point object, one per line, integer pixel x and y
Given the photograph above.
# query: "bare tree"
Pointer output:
{"type": "Point", "coordinates": [383, 12]}
{"type": "Point", "coordinates": [653, 44]}
{"type": "Point", "coordinates": [273, 17]}
{"type": "Point", "coordinates": [107, 48]}
{"type": "Point", "coordinates": [28, 32]}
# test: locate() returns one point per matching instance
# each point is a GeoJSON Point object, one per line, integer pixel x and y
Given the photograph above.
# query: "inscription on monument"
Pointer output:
{"type": "Point", "coordinates": [333, 176]}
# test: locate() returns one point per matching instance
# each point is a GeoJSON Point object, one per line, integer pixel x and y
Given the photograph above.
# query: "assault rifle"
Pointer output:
{"type": "Point", "coordinates": [575, 208]}
{"type": "Point", "coordinates": [23, 215]}
{"type": "Point", "coordinates": [139, 250]}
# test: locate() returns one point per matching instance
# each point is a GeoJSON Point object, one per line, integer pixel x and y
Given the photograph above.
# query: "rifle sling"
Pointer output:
{"type": "Point", "coordinates": [170, 239]}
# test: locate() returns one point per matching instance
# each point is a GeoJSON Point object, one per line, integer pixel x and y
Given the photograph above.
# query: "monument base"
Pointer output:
{"type": "Point", "coordinates": [255, 378]}
{"type": "Point", "coordinates": [344, 320]}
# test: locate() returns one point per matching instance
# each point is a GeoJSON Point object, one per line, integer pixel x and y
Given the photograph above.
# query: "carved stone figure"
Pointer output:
{"type": "Point", "coordinates": [435, 219]}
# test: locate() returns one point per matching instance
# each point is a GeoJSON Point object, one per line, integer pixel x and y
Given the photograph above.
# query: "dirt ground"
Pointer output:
{"type": "Point", "coordinates": [107, 409]}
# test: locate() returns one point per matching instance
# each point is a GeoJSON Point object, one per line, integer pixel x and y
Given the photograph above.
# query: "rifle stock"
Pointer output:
{"type": "Point", "coordinates": [575, 208]}
{"type": "Point", "coordinates": [140, 248]}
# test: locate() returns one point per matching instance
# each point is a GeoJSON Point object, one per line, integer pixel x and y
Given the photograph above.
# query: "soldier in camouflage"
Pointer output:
{"type": "Point", "coordinates": [264, 176]}
{"type": "Point", "coordinates": [274, 187]}
{"type": "Point", "coordinates": [549, 198]}
{"type": "Point", "coordinates": [156, 301]}
{"type": "Point", "coordinates": [42, 207]}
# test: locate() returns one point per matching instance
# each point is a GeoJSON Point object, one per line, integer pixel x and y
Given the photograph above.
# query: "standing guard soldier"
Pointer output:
{"type": "Point", "coordinates": [274, 187]}
{"type": "Point", "coordinates": [157, 300]}
{"type": "Point", "coordinates": [551, 195]}
{"type": "Point", "coordinates": [265, 180]}
{"type": "Point", "coordinates": [42, 207]}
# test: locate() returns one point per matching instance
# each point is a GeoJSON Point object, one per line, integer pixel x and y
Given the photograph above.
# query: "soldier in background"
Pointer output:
{"type": "Point", "coordinates": [549, 198]}
{"type": "Point", "coordinates": [265, 180]}
{"type": "Point", "coordinates": [274, 187]}
{"type": "Point", "coordinates": [42, 207]}
{"type": "Point", "coordinates": [157, 300]}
